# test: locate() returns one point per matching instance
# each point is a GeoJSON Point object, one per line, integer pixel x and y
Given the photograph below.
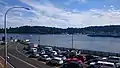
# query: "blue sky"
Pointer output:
{"type": "Point", "coordinates": [61, 13]}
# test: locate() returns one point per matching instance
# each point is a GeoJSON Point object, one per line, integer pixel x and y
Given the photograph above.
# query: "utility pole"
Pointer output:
{"type": "Point", "coordinates": [39, 40]}
{"type": "Point", "coordinates": [5, 33]}
{"type": "Point", "coordinates": [72, 41]}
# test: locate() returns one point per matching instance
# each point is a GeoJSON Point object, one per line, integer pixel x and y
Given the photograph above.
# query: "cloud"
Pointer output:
{"type": "Point", "coordinates": [83, 1]}
{"type": "Point", "coordinates": [3, 3]}
{"type": "Point", "coordinates": [69, 2]}
{"type": "Point", "coordinates": [46, 14]}
{"type": "Point", "coordinates": [80, 19]}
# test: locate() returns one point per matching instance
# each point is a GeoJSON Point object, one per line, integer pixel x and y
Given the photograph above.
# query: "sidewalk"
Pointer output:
{"type": "Point", "coordinates": [2, 63]}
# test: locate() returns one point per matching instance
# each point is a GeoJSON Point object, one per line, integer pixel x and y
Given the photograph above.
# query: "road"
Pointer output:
{"type": "Point", "coordinates": [19, 60]}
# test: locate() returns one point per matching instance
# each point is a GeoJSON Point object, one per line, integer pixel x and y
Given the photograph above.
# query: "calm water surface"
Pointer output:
{"type": "Point", "coordinates": [107, 44]}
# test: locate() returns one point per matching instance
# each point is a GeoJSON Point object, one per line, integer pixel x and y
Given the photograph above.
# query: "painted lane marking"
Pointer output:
{"type": "Point", "coordinates": [2, 65]}
{"type": "Point", "coordinates": [19, 51]}
{"type": "Point", "coordinates": [8, 62]}
{"type": "Point", "coordinates": [25, 55]}
{"type": "Point", "coordinates": [22, 61]}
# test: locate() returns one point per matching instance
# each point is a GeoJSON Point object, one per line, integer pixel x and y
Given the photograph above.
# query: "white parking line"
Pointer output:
{"type": "Point", "coordinates": [8, 62]}
{"type": "Point", "coordinates": [22, 61]}
{"type": "Point", "coordinates": [19, 51]}
{"type": "Point", "coordinates": [18, 58]}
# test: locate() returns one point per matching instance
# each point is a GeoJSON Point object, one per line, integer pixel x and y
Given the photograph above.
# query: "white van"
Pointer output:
{"type": "Point", "coordinates": [33, 50]}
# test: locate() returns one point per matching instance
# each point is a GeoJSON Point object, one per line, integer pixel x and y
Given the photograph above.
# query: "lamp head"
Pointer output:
{"type": "Point", "coordinates": [27, 8]}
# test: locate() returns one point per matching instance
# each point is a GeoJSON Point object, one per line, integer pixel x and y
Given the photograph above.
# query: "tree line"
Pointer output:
{"type": "Point", "coordinates": [111, 29]}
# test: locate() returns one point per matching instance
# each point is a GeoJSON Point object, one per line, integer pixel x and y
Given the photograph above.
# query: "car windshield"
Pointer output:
{"type": "Point", "coordinates": [114, 58]}
{"type": "Point", "coordinates": [107, 65]}
{"type": "Point", "coordinates": [71, 65]}
{"type": "Point", "coordinates": [45, 56]}
{"type": "Point", "coordinates": [58, 56]}
{"type": "Point", "coordinates": [46, 48]}
{"type": "Point", "coordinates": [56, 60]}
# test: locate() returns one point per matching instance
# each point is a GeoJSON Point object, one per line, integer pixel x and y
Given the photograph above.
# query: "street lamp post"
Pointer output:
{"type": "Point", "coordinates": [72, 41]}
{"type": "Point", "coordinates": [5, 34]}
{"type": "Point", "coordinates": [39, 40]}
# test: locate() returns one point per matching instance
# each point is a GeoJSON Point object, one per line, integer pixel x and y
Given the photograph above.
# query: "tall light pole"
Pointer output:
{"type": "Point", "coordinates": [72, 41]}
{"type": "Point", "coordinates": [39, 40]}
{"type": "Point", "coordinates": [5, 34]}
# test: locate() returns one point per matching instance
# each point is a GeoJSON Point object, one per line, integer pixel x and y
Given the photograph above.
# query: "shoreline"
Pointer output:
{"type": "Point", "coordinates": [103, 36]}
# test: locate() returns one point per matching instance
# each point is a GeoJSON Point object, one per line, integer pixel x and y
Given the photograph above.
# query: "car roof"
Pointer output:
{"type": "Point", "coordinates": [114, 57]}
{"type": "Point", "coordinates": [45, 55]}
{"type": "Point", "coordinates": [48, 47]}
{"type": "Point", "coordinates": [58, 58]}
{"type": "Point", "coordinates": [53, 51]}
{"type": "Point", "coordinates": [33, 48]}
{"type": "Point", "coordinates": [104, 62]}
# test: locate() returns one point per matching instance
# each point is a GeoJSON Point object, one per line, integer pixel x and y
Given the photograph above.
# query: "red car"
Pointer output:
{"type": "Point", "coordinates": [82, 58]}
{"type": "Point", "coordinates": [74, 59]}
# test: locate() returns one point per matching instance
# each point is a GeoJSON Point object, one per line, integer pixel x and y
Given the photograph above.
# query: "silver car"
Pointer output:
{"type": "Point", "coordinates": [44, 58]}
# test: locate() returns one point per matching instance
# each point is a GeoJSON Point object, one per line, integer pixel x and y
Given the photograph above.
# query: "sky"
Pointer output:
{"type": "Point", "coordinates": [61, 13]}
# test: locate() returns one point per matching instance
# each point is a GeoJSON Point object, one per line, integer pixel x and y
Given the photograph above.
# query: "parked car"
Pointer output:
{"type": "Point", "coordinates": [49, 53]}
{"type": "Point", "coordinates": [33, 45]}
{"type": "Point", "coordinates": [2, 43]}
{"type": "Point", "coordinates": [32, 50]}
{"type": "Point", "coordinates": [92, 61]}
{"type": "Point", "coordinates": [80, 57]}
{"type": "Point", "coordinates": [55, 61]}
{"type": "Point", "coordinates": [61, 56]}
{"type": "Point", "coordinates": [114, 59]}
{"type": "Point", "coordinates": [89, 57]}
{"type": "Point", "coordinates": [34, 55]}
{"type": "Point", "coordinates": [104, 58]}
{"type": "Point", "coordinates": [57, 50]}
{"type": "Point", "coordinates": [42, 52]}
{"type": "Point", "coordinates": [117, 65]}
{"type": "Point", "coordinates": [44, 58]}
{"type": "Point", "coordinates": [54, 53]}
{"type": "Point", "coordinates": [73, 59]}
{"type": "Point", "coordinates": [102, 64]}
{"type": "Point", "coordinates": [64, 53]}
{"type": "Point", "coordinates": [71, 65]}
{"type": "Point", "coordinates": [78, 52]}
{"type": "Point", "coordinates": [48, 49]}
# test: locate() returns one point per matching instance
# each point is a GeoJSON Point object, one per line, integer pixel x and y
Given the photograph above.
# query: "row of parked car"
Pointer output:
{"type": "Point", "coordinates": [69, 58]}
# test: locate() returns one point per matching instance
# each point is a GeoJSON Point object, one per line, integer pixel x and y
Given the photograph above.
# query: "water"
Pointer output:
{"type": "Point", "coordinates": [107, 44]}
